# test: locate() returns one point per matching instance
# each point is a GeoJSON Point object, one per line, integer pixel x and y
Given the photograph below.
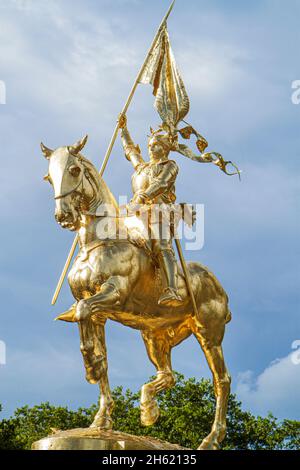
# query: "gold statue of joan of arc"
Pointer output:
{"type": "Point", "coordinates": [115, 279]}
{"type": "Point", "coordinates": [153, 182]}
{"type": "Point", "coordinates": [153, 185]}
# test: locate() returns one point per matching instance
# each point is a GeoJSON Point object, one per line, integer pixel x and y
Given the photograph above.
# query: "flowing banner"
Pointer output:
{"type": "Point", "coordinates": [172, 104]}
{"type": "Point", "coordinates": [172, 101]}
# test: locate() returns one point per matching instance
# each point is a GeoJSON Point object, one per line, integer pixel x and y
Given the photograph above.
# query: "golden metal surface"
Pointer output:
{"type": "Point", "coordinates": [172, 103]}
{"type": "Point", "coordinates": [126, 269]}
{"type": "Point", "coordinates": [97, 439]}
{"type": "Point", "coordinates": [153, 183]}
{"type": "Point", "coordinates": [117, 280]}
{"type": "Point", "coordinates": [111, 145]}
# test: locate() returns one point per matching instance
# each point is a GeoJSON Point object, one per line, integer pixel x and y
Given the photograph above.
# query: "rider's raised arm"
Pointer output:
{"type": "Point", "coordinates": [132, 151]}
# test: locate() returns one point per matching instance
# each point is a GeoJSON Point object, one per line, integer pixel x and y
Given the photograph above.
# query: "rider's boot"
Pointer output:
{"type": "Point", "coordinates": [168, 264]}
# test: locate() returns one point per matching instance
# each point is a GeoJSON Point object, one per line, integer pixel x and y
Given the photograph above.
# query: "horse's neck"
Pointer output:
{"type": "Point", "coordinates": [105, 198]}
{"type": "Point", "coordinates": [104, 207]}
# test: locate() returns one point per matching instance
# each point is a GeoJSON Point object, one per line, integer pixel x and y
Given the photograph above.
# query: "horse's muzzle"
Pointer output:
{"type": "Point", "coordinates": [65, 219]}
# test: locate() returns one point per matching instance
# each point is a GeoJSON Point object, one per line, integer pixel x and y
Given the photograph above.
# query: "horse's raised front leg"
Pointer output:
{"type": "Point", "coordinates": [93, 345]}
{"type": "Point", "coordinates": [221, 379]}
{"type": "Point", "coordinates": [93, 348]}
{"type": "Point", "coordinates": [112, 293]}
{"type": "Point", "coordinates": [158, 347]}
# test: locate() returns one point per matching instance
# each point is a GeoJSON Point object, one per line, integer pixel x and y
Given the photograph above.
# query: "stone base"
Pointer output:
{"type": "Point", "coordinates": [97, 439]}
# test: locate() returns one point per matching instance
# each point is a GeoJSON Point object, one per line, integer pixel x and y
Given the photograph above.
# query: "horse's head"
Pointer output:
{"type": "Point", "coordinates": [73, 183]}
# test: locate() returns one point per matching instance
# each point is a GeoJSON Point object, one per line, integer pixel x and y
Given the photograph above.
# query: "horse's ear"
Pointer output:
{"type": "Point", "coordinates": [46, 151]}
{"type": "Point", "coordinates": [78, 146]}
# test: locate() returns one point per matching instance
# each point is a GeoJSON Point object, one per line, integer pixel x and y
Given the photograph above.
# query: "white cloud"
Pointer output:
{"type": "Point", "coordinates": [77, 65]}
{"type": "Point", "coordinates": [275, 390]}
{"type": "Point", "coordinates": [35, 375]}
{"type": "Point", "coordinates": [68, 72]}
{"type": "Point", "coordinates": [59, 62]}
{"type": "Point", "coordinates": [42, 371]}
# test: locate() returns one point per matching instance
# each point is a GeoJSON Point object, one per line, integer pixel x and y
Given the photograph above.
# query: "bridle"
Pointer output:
{"type": "Point", "coordinates": [86, 174]}
{"type": "Point", "coordinates": [72, 190]}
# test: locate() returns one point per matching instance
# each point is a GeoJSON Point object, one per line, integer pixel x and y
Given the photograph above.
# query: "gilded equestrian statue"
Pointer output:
{"type": "Point", "coordinates": [114, 278]}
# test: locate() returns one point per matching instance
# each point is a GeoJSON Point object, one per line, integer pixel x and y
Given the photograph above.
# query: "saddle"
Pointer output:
{"type": "Point", "coordinates": [135, 228]}
{"type": "Point", "coordinates": [174, 213]}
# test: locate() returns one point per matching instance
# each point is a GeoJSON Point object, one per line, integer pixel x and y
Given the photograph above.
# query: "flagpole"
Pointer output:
{"type": "Point", "coordinates": [130, 96]}
{"type": "Point", "coordinates": [110, 147]}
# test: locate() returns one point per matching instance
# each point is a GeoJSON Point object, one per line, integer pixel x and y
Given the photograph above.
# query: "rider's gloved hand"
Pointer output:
{"type": "Point", "coordinates": [122, 121]}
{"type": "Point", "coordinates": [139, 199]}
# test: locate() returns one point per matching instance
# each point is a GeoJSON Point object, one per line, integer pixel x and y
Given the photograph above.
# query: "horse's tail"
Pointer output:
{"type": "Point", "coordinates": [228, 316]}
{"type": "Point", "coordinates": [228, 312]}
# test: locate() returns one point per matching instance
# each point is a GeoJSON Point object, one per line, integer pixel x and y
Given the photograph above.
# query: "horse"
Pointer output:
{"type": "Point", "coordinates": [114, 278]}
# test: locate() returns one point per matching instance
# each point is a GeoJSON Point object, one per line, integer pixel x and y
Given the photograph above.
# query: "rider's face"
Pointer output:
{"type": "Point", "coordinates": [156, 150]}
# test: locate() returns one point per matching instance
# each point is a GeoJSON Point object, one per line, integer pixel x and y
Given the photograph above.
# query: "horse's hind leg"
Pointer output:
{"type": "Point", "coordinates": [221, 379]}
{"type": "Point", "coordinates": [158, 347]}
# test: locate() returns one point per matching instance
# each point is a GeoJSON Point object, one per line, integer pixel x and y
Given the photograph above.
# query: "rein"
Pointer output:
{"type": "Point", "coordinates": [88, 177]}
{"type": "Point", "coordinates": [72, 190]}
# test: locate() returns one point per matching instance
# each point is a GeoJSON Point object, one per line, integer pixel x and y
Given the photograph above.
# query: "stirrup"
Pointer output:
{"type": "Point", "coordinates": [170, 298]}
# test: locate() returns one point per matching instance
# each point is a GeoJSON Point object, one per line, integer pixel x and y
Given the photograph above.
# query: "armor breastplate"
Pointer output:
{"type": "Point", "coordinates": [141, 179]}
{"type": "Point", "coordinates": [144, 175]}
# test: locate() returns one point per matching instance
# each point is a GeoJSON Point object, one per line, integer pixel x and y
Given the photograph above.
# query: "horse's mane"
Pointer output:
{"type": "Point", "coordinates": [105, 193]}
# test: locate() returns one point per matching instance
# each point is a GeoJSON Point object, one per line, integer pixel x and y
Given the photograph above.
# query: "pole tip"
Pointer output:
{"type": "Point", "coordinates": [169, 11]}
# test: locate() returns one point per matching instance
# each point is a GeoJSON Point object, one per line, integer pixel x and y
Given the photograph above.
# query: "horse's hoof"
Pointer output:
{"type": "Point", "coordinates": [102, 422]}
{"type": "Point", "coordinates": [209, 444]}
{"type": "Point", "coordinates": [149, 414]}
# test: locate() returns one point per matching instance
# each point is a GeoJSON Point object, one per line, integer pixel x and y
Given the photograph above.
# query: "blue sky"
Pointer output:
{"type": "Point", "coordinates": [68, 67]}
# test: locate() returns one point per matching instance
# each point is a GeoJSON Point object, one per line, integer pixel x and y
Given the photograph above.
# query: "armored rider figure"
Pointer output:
{"type": "Point", "coordinates": [153, 183]}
